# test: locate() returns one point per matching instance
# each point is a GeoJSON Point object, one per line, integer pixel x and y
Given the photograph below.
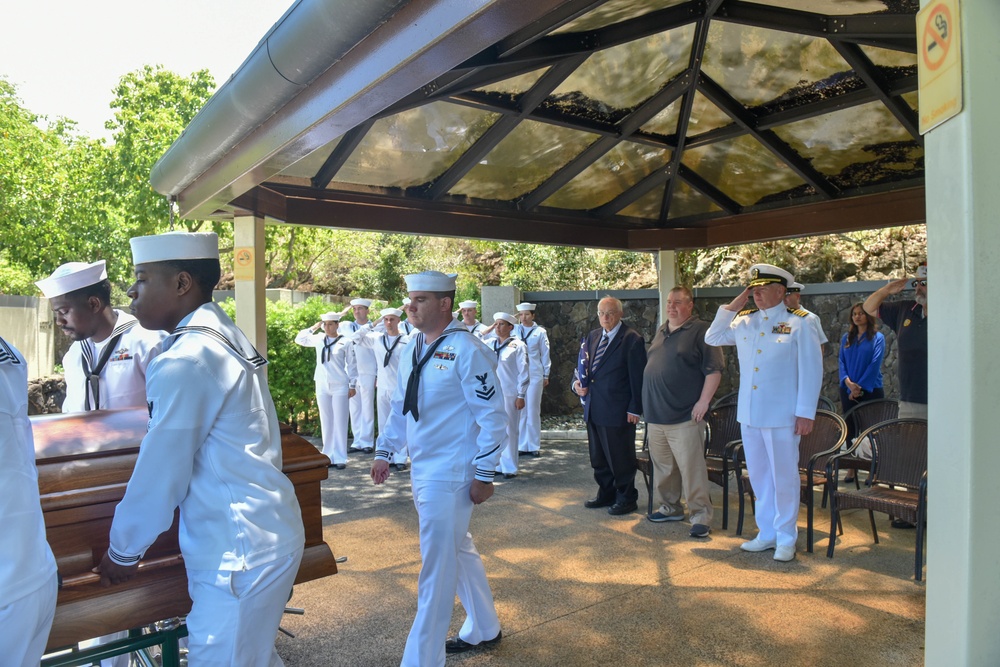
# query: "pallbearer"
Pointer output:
{"type": "Point", "coordinates": [213, 449]}
{"type": "Point", "coordinates": [336, 377]}
{"type": "Point", "coordinates": [105, 367]}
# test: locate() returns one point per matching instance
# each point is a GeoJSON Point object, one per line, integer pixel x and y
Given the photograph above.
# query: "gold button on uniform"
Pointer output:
{"type": "Point", "coordinates": [755, 386]}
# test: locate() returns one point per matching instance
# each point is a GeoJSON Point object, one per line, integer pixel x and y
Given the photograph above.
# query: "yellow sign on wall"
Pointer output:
{"type": "Point", "coordinates": [243, 263]}
{"type": "Point", "coordinates": [939, 62]}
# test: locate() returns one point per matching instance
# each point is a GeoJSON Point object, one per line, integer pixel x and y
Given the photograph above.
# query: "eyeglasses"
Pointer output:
{"type": "Point", "coordinates": [602, 313]}
{"type": "Point", "coordinates": [921, 283]}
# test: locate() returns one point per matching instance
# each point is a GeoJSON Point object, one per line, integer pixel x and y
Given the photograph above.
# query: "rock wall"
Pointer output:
{"type": "Point", "coordinates": [567, 321]}
{"type": "Point", "coordinates": [46, 395]}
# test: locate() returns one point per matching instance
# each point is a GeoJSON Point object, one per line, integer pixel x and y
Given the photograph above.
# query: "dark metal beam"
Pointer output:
{"type": "Point", "coordinates": [341, 154]}
{"type": "Point", "coordinates": [873, 78]}
{"type": "Point", "coordinates": [380, 212]}
{"type": "Point", "coordinates": [890, 209]}
{"type": "Point", "coordinates": [726, 203]}
{"type": "Point", "coordinates": [504, 126]}
{"type": "Point", "coordinates": [634, 193]}
{"type": "Point", "coordinates": [722, 99]}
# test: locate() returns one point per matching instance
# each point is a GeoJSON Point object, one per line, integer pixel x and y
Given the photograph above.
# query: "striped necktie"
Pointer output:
{"type": "Point", "coordinates": [600, 352]}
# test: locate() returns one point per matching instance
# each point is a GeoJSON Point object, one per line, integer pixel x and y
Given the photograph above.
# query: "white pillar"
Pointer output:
{"type": "Point", "coordinates": [963, 557]}
{"type": "Point", "coordinates": [666, 270]}
{"type": "Point", "coordinates": [248, 237]}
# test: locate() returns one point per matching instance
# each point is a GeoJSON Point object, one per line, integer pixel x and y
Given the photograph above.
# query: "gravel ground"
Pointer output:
{"type": "Point", "coordinates": [563, 423]}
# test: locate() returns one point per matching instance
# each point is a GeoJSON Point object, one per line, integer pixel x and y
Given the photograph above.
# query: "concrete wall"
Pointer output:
{"type": "Point", "coordinates": [26, 322]}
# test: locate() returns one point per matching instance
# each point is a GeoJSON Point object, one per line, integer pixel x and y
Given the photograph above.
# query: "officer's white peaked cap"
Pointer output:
{"type": "Point", "coordinates": [174, 246]}
{"type": "Point", "coordinates": [391, 311]}
{"type": "Point", "coordinates": [71, 277]}
{"type": "Point", "coordinates": [330, 317]}
{"type": "Point", "coordinates": [525, 306]}
{"type": "Point", "coordinates": [361, 302]}
{"type": "Point", "coordinates": [506, 317]}
{"type": "Point", "coordinates": [468, 304]}
{"type": "Point", "coordinates": [765, 274]}
{"type": "Point", "coordinates": [921, 272]}
{"type": "Point", "coordinates": [430, 281]}
{"type": "Point", "coordinates": [795, 287]}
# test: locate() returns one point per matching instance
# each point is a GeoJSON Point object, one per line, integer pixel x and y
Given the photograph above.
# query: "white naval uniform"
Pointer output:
{"type": "Point", "coordinates": [474, 328]}
{"type": "Point", "coordinates": [781, 372]}
{"type": "Point", "coordinates": [213, 448]}
{"type": "Point", "coordinates": [123, 379]}
{"type": "Point", "coordinates": [457, 439]}
{"type": "Point", "coordinates": [539, 363]}
{"type": "Point", "coordinates": [512, 370]}
{"type": "Point", "coordinates": [814, 320]}
{"type": "Point", "coordinates": [363, 402]}
{"type": "Point", "coordinates": [388, 351]}
{"type": "Point", "coordinates": [334, 379]}
{"type": "Point", "coordinates": [28, 580]}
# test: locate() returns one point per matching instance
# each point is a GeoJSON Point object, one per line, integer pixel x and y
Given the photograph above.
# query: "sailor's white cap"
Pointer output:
{"type": "Point", "coordinates": [525, 306]}
{"type": "Point", "coordinates": [72, 276]}
{"type": "Point", "coordinates": [174, 246]}
{"type": "Point", "coordinates": [391, 311]}
{"type": "Point", "coordinates": [468, 304]}
{"type": "Point", "coordinates": [361, 302]}
{"type": "Point", "coordinates": [406, 301]}
{"type": "Point", "coordinates": [921, 273]}
{"type": "Point", "coordinates": [506, 317]}
{"type": "Point", "coordinates": [430, 281]}
{"type": "Point", "coordinates": [330, 317]}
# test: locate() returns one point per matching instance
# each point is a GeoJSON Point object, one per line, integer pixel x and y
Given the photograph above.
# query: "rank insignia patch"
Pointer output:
{"type": "Point", "coordinates": [485, 393]}
{"type": "Point", "coordinates": [781, 328]}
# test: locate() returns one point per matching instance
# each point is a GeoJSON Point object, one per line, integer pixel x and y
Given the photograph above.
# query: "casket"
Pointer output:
{"type": "Point", "coordinates": [84, 463]}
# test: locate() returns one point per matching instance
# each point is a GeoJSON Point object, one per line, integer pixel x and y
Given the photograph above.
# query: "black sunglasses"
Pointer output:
{"type": "Point", "coordinates": [921, 283]}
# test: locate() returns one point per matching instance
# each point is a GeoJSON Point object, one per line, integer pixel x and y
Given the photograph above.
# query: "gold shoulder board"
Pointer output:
{"type": "Point", "coordinates": [747, 311]}
{"type": "Point", "coordinates": [797, 311]}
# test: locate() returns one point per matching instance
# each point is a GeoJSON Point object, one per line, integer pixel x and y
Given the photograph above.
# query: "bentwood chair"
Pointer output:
{"type": "Point", "coordinates": [859, 418]}
{"type": "Point", "coordinates": [897, 480]}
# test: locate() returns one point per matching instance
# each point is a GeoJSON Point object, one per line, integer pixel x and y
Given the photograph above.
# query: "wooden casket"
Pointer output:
{"type": "Point", "coordinates": [84, 463]}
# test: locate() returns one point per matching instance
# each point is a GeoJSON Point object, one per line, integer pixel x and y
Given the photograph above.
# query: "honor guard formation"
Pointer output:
{"type": "Point", "coordinates": [426, 388]}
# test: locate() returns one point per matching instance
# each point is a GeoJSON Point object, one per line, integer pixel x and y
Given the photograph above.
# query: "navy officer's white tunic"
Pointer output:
{"type": "Point", "coordinates": [28, 579]}
{"type": "Point", "coordinates": [457, 439]}
{"type": "Point", "coordinates": [123, 377]}
{"type": "Point", "coordinates": [213, 448]}
{"type": "Point", "coordinates": [781, 373]}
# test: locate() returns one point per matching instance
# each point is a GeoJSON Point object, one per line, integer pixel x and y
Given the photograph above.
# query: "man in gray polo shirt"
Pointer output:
{"type": "Point", "coordinates": [681, 376]}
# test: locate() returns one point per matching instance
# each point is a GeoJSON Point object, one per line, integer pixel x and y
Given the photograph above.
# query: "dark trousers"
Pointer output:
{"type": "Point", "coordinates": [612, 456]}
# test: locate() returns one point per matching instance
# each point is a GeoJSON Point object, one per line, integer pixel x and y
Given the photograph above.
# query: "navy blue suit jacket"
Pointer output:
{"type": "Point", "coordinates": [615, 387]}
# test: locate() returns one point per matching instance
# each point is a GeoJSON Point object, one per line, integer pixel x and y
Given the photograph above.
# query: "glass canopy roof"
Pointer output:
{"type": "Point", "coordinates": [662, 113]}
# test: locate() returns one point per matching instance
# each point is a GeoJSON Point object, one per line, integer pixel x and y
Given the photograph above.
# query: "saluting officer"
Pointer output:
{"type": "Point", "coordinates": [388, 343]}
{"type": "Point", "coordinates": [105, 367]}
{"type": "Point", "coordinates": [512, 369]}
{"type": "Point", "coordinates": [213, 450]}
{"type": "Point", "coordinates": [336, 378]}
{"type": "Point", "coordinates": [539, 363]}
{"type": "Point", "coordinates": [781, 372]}
{"type": "Point", "coordinates": [450, 414]}
{"type": "Point", "coordinates": [362, 403]}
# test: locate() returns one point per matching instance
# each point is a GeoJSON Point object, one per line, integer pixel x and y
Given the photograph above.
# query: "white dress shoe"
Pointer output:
{"type": "Point", "coordinates": [757, 544]}
{"type": "Point", "coordinates": [784, 553]}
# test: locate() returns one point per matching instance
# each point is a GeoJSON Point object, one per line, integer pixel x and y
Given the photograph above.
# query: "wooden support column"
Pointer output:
{"type": "Point", "coordinates": [248, 265]}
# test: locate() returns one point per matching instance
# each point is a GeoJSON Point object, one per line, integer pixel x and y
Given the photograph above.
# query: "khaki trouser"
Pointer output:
{"type": "Point", "coordinates": [678, 455]}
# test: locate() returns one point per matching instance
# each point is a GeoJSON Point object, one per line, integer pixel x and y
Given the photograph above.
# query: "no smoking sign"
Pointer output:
{"type": "Point", "coordinates": [939, 67]}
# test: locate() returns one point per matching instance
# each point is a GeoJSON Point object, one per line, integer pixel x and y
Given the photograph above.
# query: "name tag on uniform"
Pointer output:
{"type": "Point", "coordinates": [781, 328]}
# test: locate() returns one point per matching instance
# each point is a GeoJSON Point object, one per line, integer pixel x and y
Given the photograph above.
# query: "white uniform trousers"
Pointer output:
{"type": "Point", "coordinates": [508, 459]}
{"type": "Point", "coordinates": [678, 455]}
{"type": "Point", "coordinates": [235, 614]}
{"type": "Point", "coordinates": [25, 624]}
{"type": "Point", "coordinates": [530, 437]}
{"type": "Point", "coordinates": [363, 413]}
{"type": "Point", "coordinates": [333, 410]}
{"type": "Point", "coordinates": [450, 564]}
{"type": "Point", "coordinates": [773, 463]}
{"type": "Point", "coordinates": [384, 401]}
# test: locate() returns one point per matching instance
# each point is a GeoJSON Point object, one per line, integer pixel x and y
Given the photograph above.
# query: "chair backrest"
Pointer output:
{"type": "Point", "coordinates": [825, 403]}
{"type": "Point", "coordinates": [899, 452]}
{"type": "Point", "coordinates": [726, 399]}
{"type": "Point", "coordinates": [869, 413]}
{"type": "Point", "coordinates": [722, 429]}
{"type": "Point", "coordinates": [828, 435]}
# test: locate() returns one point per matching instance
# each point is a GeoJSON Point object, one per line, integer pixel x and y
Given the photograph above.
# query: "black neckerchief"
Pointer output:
{"type": "Point", "coordinates": [413, 383]}
{"type": "Point", "coordinates": [389, 349]}
{"type": "Point", "coordinates": [92, 372]}
{"type": "Point", "coordinates": [328, 348]}
{"type": "Point", "coordinates": [498, 350]}
{"type": "Point", "coordinates": [534, 328]}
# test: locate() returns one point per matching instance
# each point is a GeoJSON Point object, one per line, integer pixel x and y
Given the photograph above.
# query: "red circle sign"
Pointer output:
{"type": "Point", "coordinates": [936, 37]}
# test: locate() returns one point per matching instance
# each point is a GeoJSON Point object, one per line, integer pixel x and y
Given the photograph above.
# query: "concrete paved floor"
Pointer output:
{"type": "Point", "coordinates": [575, 586]}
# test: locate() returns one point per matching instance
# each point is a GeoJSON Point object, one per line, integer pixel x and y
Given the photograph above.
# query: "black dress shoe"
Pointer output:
{"type": "Point", "coordinates": [368, 450]}
{"type": "Point", "coordinates": [622, 508]}
{"type": "Point", "coordinates": [509, 475]}
{"type": "Point", "coordinates": [598, 502]}
{"type": "Point", "coordinates": [458, 645]}
{"type": "Point", "coordinates": [536, 453]}
{"type": "Point", "coordinates": [522, 452]}
{"type": "Point", "coordinates": [338, 466]}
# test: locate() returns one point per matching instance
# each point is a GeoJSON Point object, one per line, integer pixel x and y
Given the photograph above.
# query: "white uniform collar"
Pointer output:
{"type": "Point", "coordinates": [210, 320]}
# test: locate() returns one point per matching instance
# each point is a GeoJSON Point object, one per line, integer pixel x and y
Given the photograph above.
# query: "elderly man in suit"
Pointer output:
{"type": "Point", "coordinates": [610, 383]}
